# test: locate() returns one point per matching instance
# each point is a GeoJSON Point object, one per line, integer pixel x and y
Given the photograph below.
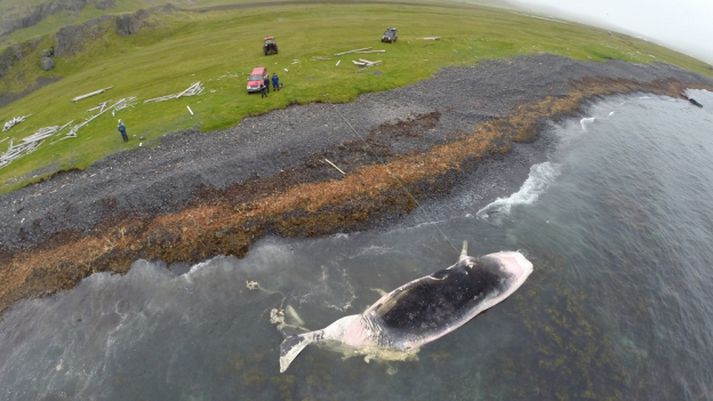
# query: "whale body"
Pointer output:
{"type": "Point", "coordinates": [420, 311]}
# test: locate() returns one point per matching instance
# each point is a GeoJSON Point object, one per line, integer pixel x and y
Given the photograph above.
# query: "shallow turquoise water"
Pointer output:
{"type": "Point", "coordinates": [615, 214]}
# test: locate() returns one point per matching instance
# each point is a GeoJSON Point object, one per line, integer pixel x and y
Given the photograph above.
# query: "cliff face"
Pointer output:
{"type": "Point", "coordinates": [15, 53]}
{"type": "Point", "coordinates": [24, 16]}
{"type": "Point", "coordinates": [69, 41]}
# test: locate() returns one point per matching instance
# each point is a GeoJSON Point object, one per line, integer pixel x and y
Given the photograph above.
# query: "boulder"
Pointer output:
{"type": "Point", "coordinates": [46, 63]}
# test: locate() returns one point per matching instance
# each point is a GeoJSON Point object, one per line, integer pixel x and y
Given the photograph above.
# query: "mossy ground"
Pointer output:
{"type": "Point", "coordinates": [220, 47]}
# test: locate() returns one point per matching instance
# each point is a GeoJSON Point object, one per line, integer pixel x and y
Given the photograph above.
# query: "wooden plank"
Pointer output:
{"type": "Point", "coordinates": [90, 94]}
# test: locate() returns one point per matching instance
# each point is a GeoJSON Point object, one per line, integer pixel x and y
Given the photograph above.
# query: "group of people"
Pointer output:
{"type": "Point", "coordinates": [265, 87]}
{"type": "Point", "coordinates": [264, 90]}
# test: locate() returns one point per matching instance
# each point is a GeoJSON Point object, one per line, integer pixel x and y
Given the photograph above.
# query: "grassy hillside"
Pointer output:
{"type": "Point", "coordinates": [17, 9]}
{"type": "Point", "coordinates": [11, 10]}
{"type": "Point", "coordinates": [220, 47]}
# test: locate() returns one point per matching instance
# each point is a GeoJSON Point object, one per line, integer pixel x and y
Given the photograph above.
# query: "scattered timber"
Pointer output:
{"type": "Point", "coordinates": [337, 65]}
{"type": "Point", "coordinates": [321, 58]}
{"type": "Point", "coordinates": [335, 166]}
{"type": "Point", "coordinates": [195, 89]}
{"type": "Point", "coordinates": [352, 51]}
{"type": "Point", "coordinates": [121, 104]}
{"type": "Point", "coordinates": [366, 63]}
{"type": "Point", "coordinates": [13, 122]}
{"type": "Point", "coordinates": [28, 144]}
{"type": "Point", "coordinates": [189, 109]}
{"type": "Point", "coordinates": [100, 107]}
{"type": "Point", "coordinates": [90, 94]}
{"type": "Point", "coordinates": [431, 38]}
{"type": "Point", "coordinates": [371, 51]}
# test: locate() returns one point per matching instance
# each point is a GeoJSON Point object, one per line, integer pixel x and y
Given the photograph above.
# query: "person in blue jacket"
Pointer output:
{"type": "Point", "coordinates": [122, 131]}
{"type": "Point", "coordinates": [275, 82]}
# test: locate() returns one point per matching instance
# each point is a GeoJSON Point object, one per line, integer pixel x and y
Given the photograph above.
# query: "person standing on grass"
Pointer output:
{"type": "Point", "coordinates": [263, 90]}
{"type": "Point", "coordinates": [266, 82]}
{"type": "Point", "coordinates": [275, 82]}
{"type": "Point", "coordinates": [122, 131]}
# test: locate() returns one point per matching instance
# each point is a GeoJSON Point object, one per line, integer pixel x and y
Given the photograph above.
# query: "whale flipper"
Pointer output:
{"type": "Point", "coordinates": [293, 345]}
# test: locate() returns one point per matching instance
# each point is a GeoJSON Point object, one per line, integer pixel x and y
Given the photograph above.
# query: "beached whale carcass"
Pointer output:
{"type": "Point", "coordinates": [421, 311]}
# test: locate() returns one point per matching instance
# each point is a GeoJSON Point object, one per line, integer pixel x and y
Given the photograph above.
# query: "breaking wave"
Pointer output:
{"type": "Point", "coordinates": [540, 177]}
{"type": "Point", "coordinates": [586, 121]}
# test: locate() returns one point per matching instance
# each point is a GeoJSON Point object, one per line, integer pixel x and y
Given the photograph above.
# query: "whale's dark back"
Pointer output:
{"type": "Point", "coordinates": [428, 305]}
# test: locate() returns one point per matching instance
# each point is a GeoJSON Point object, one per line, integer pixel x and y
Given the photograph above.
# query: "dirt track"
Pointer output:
{"type": "Point", "coordinates": [196, 195]}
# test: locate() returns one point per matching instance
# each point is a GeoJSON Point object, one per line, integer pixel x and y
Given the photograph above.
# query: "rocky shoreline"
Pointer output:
{"type": "Point", "coordinates": [196, 195]}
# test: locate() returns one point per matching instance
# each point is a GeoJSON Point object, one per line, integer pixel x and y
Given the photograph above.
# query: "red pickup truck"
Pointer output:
{"type": "Point", "coordinates": [255, 80]}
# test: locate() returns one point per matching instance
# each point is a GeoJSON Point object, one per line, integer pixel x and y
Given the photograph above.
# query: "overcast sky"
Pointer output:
{"type": "Point", "coordinates": [685, 25]}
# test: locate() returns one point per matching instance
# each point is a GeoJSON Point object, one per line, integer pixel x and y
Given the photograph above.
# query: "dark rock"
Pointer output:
{"type": "Point", "coordinates": [47, 52]}
{"type": "Point", "coordinates": [129, 24]}
{"type": "Point", "coordinates": [35, 14]}
{"type": "Point", "coordinates": [71, 39]}
{"type": "Point", "coordinates": [694, 102]}
{"type": "Point", "coordinates": [46, 63]}
{"type": "Point", "coordinates": [105, 4]}
{"type": "Point", "coordinates": [15, 53]}
{"type": "Point", "coordinates": [33, 18]}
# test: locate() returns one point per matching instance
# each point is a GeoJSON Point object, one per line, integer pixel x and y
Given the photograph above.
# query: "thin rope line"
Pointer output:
{"type": "Point", "coordinates": [397, 179]}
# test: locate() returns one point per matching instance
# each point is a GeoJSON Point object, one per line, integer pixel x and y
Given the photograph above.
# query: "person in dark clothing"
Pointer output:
{"type": "Point", "coordinates": [275, 82]}
{"type": "Point", "coordinates": [122, 131]}
{"type": "Point", "coordinates": [266, 82]}
{"type": "Point", "coordinates": [263, 90]}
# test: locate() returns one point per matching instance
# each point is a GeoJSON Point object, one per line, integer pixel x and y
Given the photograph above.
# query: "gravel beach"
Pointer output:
{"type": "Point", "coordinates": [266, 155]}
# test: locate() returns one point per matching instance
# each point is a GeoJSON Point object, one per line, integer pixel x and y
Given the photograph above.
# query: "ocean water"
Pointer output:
{"type": "Point", "coordinates": [614, 211]}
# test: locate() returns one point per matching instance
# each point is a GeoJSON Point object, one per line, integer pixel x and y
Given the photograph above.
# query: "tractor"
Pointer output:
{"type": "Point", "coordinates": [390, 35]}
{"type": "Point", "coordinates": [269, 46]}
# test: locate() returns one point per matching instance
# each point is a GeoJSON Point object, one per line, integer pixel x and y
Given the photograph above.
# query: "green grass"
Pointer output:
{"type": "Point", "coordinates": [219, 48]}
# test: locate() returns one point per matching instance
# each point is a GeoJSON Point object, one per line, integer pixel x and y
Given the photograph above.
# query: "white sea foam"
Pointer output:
{"type": "Point", "coordinates": [195, 269]}
{"type": "Point", "coordinates": [586, 121]}
{"type": "Point", "coordinates": [541, 176]}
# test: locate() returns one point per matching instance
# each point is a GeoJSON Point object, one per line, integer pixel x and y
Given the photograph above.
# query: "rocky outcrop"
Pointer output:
{"type": "Point", "coordinates": [33, 15]}
{"type": "Point", "coordinates": [129, 24]}
{"type": "Point", "coordinates": [105, 4]}
{"type": "Point", "coordinates": [15, 53]}
{"type": "Point", "coordinates": [72, 39]}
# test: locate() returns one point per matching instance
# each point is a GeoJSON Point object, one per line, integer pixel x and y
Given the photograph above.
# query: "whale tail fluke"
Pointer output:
{"type": "Point", "coordinates": [464, 252]}
{"type": "Point", "coordinates": [293, 345]}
